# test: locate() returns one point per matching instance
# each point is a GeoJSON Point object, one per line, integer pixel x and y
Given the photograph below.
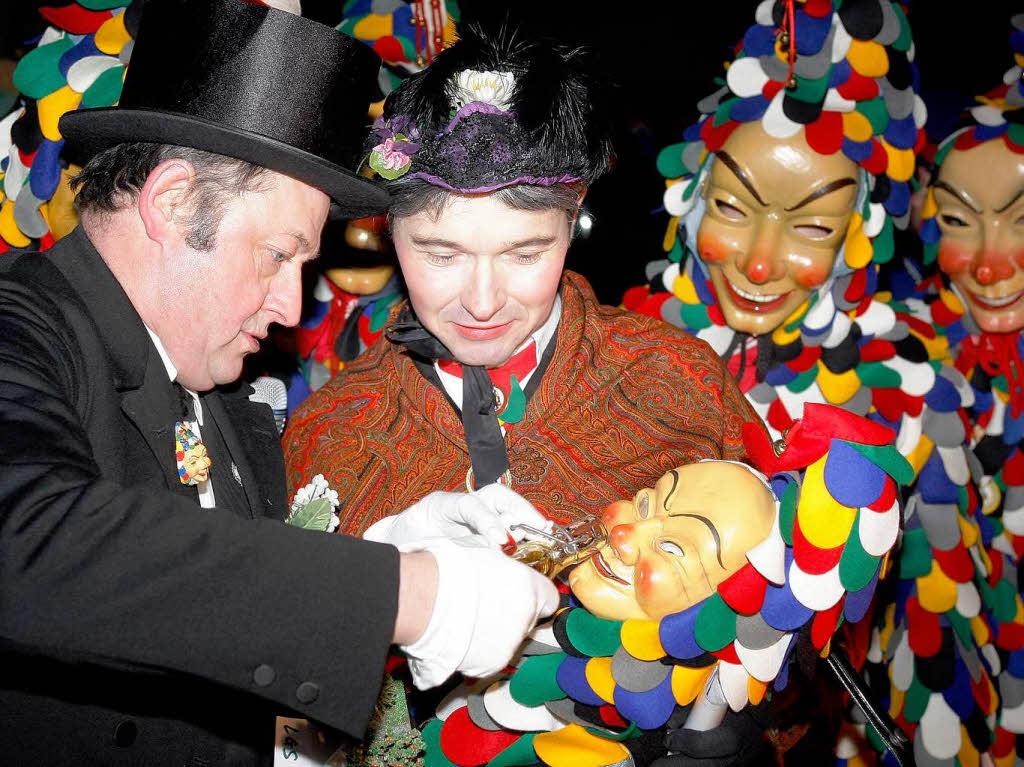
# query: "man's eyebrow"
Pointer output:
{"type": "Point", "coordinates": [714, 533]}
{"type": "Point", "coordinates": [739, 173]}
{"type": "Point", "coordinates": [830, 187]}
{"type": "Point", "coordinates": [1011, 202]}
{"type": "Point", "coordinates": [958, 194]}
{"type": "Point", "coordinates": [434, 242]}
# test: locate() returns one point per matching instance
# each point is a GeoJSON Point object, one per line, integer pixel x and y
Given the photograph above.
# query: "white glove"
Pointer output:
{"type": "Point", "coordinates": [481, 518]}
{"type": "Point", "coordinates": [486, 603]}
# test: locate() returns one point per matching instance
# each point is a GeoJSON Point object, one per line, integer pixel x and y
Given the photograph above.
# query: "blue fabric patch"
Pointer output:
{"type": "Point", "coordinates": [934, 484]}
{"type": "Point", "coordinates": [651, 709]}
{"type": "Point", "coordinates": [781, 610]}
{"type": "Point", "coordinates": [839, 73]}
{"type": "Point", "coordinates": [45, 175]}
{"type": "Point", "coordinates": [858, 602]}
{"type": "Point", "coordinates": [898, 201]}
{"type": "Point", "coordinates": [858, 151]}
{"type": "Point", "coordinates": [930, 232]}
{"type": "Point", "coordinates": [572, 678]}
{"type": "Point", "coordinates": [986, 132]}
{"type": "Point", "coordinates": [86, 47]}
{"type": "Point", "coordinates": [811, 32]}
{"type": "Point", "coordinates": [943, 397]}
{"type": "Point", "coordinates": [780, 376]}
{"type": "Point", "coordinates": [902, 134]}
{"type": "Point", "coordinates": [851, 478]}
{"type": "Point", "coordinates": [759, 41]}
{"type": "Point", "coordinates": [959, 695]}
{"type": "Point", "coordinates": [749, 109]}
{"type": "Point", "coordinates": [677, 636]}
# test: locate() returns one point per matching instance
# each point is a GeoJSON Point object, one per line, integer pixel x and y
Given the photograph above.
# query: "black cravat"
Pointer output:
{"type": "Point", "coordinates": [487, 451]}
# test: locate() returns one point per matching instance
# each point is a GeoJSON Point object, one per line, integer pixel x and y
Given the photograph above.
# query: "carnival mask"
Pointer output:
{"type": "Point", "coordinates": [979, 193]}
{"type": "Point", "coordinates": [673, 544]}
{"type": "Point", "coordinates": [197, 462]}
{"type": "Point", "coordinates": [777, 215]}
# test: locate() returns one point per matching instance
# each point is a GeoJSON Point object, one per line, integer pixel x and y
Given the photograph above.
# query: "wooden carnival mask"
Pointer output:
{"type": "Point", "coordinates": [673, 544]}
{"type": "Point", "coordinates": [979, 194]}
{"type": "Point", "coordinates": [777, 216]}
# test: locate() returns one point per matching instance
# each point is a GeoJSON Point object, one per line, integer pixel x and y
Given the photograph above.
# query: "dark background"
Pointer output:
{"type": "Point", "coordinates": [659, 59]}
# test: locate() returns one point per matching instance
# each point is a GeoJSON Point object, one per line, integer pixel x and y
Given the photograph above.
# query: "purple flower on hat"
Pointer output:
{"type": "Point", "coordinates": [399, 141]}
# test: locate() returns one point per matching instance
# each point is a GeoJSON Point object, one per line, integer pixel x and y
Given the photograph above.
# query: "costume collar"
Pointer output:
{"type": "Point", "coordinates": [120, 327]}
{"type": "Point", "coordinates": [172, 371]}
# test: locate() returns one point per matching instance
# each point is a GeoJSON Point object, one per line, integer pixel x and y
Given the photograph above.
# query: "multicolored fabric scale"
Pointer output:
{"type": "Point", "coordinates": [585, 687]}
{"type": "Point", "coordinates": [79, 62]}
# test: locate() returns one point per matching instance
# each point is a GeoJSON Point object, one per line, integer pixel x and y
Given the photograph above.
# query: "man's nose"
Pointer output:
{"type": "Point", "coordinates": [285, 297]}
{"type": "Point", "coordinates": [484, 294]}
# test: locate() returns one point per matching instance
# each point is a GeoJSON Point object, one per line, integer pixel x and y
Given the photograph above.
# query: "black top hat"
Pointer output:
{"type": "Point", "coordinates": [245, 81]}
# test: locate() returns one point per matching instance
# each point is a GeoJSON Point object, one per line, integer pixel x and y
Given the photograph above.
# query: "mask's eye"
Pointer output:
{"type": "Point", "coordinates": [813, 231]}
{"type": "Point", "coordinates": [951, 220]}
{"type": "Point", "coordinates": [670, 548]}
{"type": "Point", "coordinates": [731, 212]}
{"type": "Point", "coordinates": [643, 506]}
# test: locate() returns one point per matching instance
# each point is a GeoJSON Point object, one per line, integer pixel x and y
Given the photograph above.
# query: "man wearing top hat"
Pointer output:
{"type": "Point", "coordinates": [152, 610]}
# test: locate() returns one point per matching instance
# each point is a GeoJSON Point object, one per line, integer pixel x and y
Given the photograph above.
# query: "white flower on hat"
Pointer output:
{"type": "Point", "coordinates": [494, 88]}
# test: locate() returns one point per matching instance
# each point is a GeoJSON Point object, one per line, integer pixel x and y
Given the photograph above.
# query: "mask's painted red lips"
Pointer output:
{"type": "Point", "coordinates": [747, 301]}
{"type": "Point", "coordinates": [485, 333]}
{"type": "Point", "coordinates": [604, 570]}
{"type": "Point", "coordinates": [995, 304]}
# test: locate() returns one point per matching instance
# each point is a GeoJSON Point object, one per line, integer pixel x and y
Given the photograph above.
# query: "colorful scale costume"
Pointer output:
{"type": "Point", "coordinates": [585, 687]}
{"type": "Point", "coordinates": [79, 62]}
{"type": "Point", "coordinates": [992, 418]}
{"type": "Point", "coordinates": [846, 345]}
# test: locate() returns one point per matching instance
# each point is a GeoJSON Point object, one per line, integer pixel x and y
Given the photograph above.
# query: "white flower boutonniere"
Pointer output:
{"type": "Point", "coordinates": [314, 507]}
{"type": "Point", "coordinates": [494, 88]}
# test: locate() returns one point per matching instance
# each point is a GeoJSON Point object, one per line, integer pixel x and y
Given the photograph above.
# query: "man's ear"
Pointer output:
{"type": "Point", "coordinates": [162, 195]}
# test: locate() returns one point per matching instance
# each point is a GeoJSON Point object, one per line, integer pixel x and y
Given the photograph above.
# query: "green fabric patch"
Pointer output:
{"type": "Point", "coordinates": [916, 701]}
{"type": "Point", "coordinates": [670, 161]}
{"type": "Point", "coordinates": [694, 316]}
{"type": "Point", "coordinates": [875, 375]}
{"type": "Point", "coordinates": [903, 42]}
{"type": "Point", "coordinates": [593, 636]}
{"type": "Point", "coordinates": [888, 459]}
{"type": "Point", "coordinates": [432, 738]}
{"type": "Point", "coordinates": [715, 626]}
{"type": "Point", "coordinates": [519, 753]}
{"type": "Point", "coordinates": [915, 555]}
{"type": "Point", "coordinates": [811, 91]}
{"type": "Point", "coordinates": [787, 512]}
{"type": "Point", "coordinates": [105, 90]}
{"type": "Point", "coordinates": [535, 682]}
{"type": "Point", "coordinates": [38, 73]}
{"type": "Point", "coordinates": [803, 381]}
{"type": "Point", "coordinates": [876, 113]}
{"type": "Point", "coordinates": [856, 566]}
{"type": "Point", "coordinates": [884, 245]}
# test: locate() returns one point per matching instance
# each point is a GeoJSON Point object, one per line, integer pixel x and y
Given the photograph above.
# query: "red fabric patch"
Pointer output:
{"type": "Point", "coordinates": [610, 716]}
{"type": "Point", "coordinates": [46, 242]}
{"type": "Point", "coordinates": [858, 88]}
{"type": "Point", "coordinates": [652, 306]}
{"type": "Point", "coordinates": [825, 135]}
{"type": "Point", "coordinates": [824, 624]}
{"type": "Point", "coordinates": [886, 499]}
{"type": "Point", "coordinates": [1013, 469]}
{"type": "Point", "coordinates": [995, 571]}
{"type": "Point", "coordinates": [26, 159]}
{"type": "Point", "coordinates": [877, 350]}
{"type": "Point", "coordinates": [1005, 743]}
{"type": "Point", "coordinates": [858, 282]}
{"type": "Point", "coordinates": [771, 88]}
{"type": "Point", "coordinates": [924, 633]}
{"type": "Point", "coordinates": [806, 358]}
{"type": "Point", "coordinates": [728, 654]}
{"type": "Point", "coordinates": [744, 590]}
{"type": "Point", "coordinates": [893, 403]}
{"type": "Point", "coordinates": [966, 140]}
{"type": "Point", "coordinates": [392, 662]}
{"type": "Point", "coordinates": [75, 19]}
{"type": "Point", "coordinates": [715, 314]}
{"type": "Point", "coordinates": [810, 558]}
{"type": "Point", "coordinates": [1018, 148]}
{"type": "Point", "coordinates": [878, 161]}
{"type": "Point", "coordinates": [1010, 637]}
{"type": "Point", "coordinates": [636, 296]}
{"type": "Point", "coordinates": [981, 693]}
{"type": "Point", "coordinates": [713, 137]}
{"type": "Point", "coordinates": [918, 326]}
{"type": "Point", "coordinates": [819, 9]}
{"type": "Point", "coordinates": [942, 314]}
{"type": "Point", "coordinates": [389, 49]}
{"type": "Point", "coordinates": [956, 563]}
{"type": "Point", "coordinates": [778, 417]}
{"type": "Point", "coordinates": [467, 745]}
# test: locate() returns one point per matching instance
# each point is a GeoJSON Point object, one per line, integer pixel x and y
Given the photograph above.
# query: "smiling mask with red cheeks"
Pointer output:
{"type": "Point", "coordinates": [980, 197]}
{"type": "Point", "coordinates": [776, 218]}
{"type": "Point", "coordinates": [673, 544]}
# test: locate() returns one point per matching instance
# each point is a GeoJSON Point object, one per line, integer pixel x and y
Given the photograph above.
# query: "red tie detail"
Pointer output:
{"type": "Point", "coordinates": [520, 365]}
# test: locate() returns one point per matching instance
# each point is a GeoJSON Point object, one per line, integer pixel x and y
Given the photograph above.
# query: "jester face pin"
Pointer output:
{"type": "Point", "coordinates": [191, 454]}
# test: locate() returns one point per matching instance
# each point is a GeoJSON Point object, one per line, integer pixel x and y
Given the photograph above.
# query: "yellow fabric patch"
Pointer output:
{"type": "Point", "coordinates": [898, 696]}
{"type": "Point", "coordinates": [683, 289]}
{"type": "Point", "coordinates": [968, 531]}
{"type": "Point", "coordinates": [671, 233]}
{"type": "Point", "coordinates": [937, 348]}
{"type": "Point", "coordinates": [936, 591]}
{"type": "Point", "coordinates": [824, 521]}
{"type": "Point", "coordinates": [858, 245]}
{"type": "Point", "coordinates": [572, 746]}
{"type": "Point", "coordinates": [920, 454]}
{"type": "Point", "coordinates": [599, 677]}
{"type": "Point", "coordinates": [837, 387]}
{"type": "Point", "coordinates": [952, 300]}
{"type": "Point", "coordinates": [640, 638]}
{"type": "Point", "coordinates": [52, 107]}
{"type": "Point", "coordinates": [688, 683]}
{"type": "Point", "coordinates": [868, 58]}
{"type": "Point", "coordinates": [968, 756]}
{"type": "Point", "coordinates": [901, 162]}
{"type": "Point", "coordinates": [373, 26]}
{"type": "Point", "coordinates": [980, 631]}
{"type": "Point", "coordinates": [9, 229]}
{"type": "Point", "coordinates": [856, 126]}
{"type": "Point", "coordinates": [112, 37]}
{"type": "Point", "coordinates": [756, 690]}
{"type": "Point", "coordinates": [929, 208]}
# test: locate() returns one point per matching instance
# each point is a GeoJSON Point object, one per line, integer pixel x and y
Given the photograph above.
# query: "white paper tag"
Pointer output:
{"type": "Point", "coordinates": [300, 743]}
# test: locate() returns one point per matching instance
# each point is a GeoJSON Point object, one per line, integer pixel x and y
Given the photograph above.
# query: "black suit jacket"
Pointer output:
{"type": "Point", "coordinates": [135, 626]}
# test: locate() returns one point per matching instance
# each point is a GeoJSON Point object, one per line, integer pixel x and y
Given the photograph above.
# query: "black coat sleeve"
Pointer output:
{"type": "Point", "coordinates": [134, 577]}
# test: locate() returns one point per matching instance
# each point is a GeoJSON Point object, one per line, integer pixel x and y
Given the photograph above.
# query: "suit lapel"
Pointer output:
{"type": "Point", "coordinates": [258, 456]}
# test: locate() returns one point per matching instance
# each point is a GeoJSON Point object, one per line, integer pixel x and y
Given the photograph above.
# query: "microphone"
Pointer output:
{"type": "Point", "coordinates": [272, 391]}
